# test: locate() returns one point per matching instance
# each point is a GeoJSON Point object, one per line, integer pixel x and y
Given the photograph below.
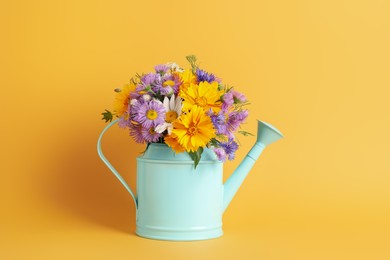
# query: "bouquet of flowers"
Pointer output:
{"type": "Point", "coordinates": [187, 109]}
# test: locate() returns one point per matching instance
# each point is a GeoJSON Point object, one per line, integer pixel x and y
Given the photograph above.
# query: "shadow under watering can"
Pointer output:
{"type": "Point", "coordinates": [176, 202]}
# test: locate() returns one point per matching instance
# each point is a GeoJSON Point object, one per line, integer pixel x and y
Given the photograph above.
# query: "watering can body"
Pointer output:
{"type": "Point", "coordinates": [177, 202]}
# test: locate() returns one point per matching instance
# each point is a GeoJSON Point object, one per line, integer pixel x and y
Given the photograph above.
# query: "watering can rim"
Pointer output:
{"type": "Point", "coordinates": [272, 127]}
{"type": "Point", "coordinates": [161, 152]}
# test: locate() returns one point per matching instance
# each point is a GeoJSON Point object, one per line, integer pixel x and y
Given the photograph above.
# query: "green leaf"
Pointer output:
{"type": "Point", "coordinates": [192, 60]}
{"type": "Point", "coordinates": [107, 115]}
{"type": "Point", "coordinates": [221, 87]}
{"type": "Point", "coordinates": [214, 142]}
{"type": "Point", "coordinates": [195, 156]}
{"type": "Point", "coordinates": [245, 133]}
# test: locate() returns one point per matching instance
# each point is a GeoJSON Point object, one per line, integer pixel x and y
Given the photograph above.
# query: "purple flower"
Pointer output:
{"type": "Point", "coordinates": [227, 123]}
{"type": "Point", "coordinates": [219, 122]}
{"type": "Point", "coordinates": [228, 100]}
{"type": "Point", "coordinates": [161, 68]}
{"type": "Point", "coordinates": [149, 79]}
{"type": "Point", "coordinates": [168, 85]}
{"type": "Point", "coordinates": [147, 82]}
{"type": "Point", "coordinates": [221, 154]}
{"type": "Point", "coordinates": [150, 135]}
{"type": "Point", "coordinates": [134, 95]}
{"type": "Point", "coordinates": [230, 148]}
{"type": "Point", "coordinates": [202, 75]}
{"type": "Point", "coordinates": [123, 122]}
{"type": "Point", "coordinates": [136, 132]}
{"type": "Point", "coordinates": [148, 113]}
{"type": "Point", "coordinates": [236, 118]}
{"type": "Point", "coordinates": [238, 97]}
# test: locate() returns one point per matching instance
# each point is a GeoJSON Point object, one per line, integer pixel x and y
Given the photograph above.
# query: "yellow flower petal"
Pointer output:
{"type": "Point", "coordinates": [204, 94]}
{"type": "Point", "coordinates": [187, 77]}
{"type": "Point", "coordinates": [194, 129]}
{"type": "Point", "coordinates": [122, 99]}
{"type": "Point", "coordinates": [172, 141]}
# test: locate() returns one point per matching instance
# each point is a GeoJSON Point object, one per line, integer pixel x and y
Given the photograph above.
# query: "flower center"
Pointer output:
{"type": "Point", "coordinates": [192, 130]}
{"type": "Point", "coordinates": [151, 131]}
{"type": "Point", "coordinates": [151, 114]}
{"type": "Point", "coordinates": [201, 101]}
{"type": "Point", "coordinates": [170, 116]}
{"type": "Point", "coordinates": [168, 83]}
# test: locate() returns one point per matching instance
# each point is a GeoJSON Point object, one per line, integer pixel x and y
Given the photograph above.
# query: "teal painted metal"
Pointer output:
{"type": "Point", "coordinates": [177, 202]}
{"type": "Point", "coordinates": [266, 134]}
{"type": "Point", "coordinates": [101, 155]}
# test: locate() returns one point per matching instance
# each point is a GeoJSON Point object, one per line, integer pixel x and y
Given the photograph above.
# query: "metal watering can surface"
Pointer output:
{"type": "Point", "coordinates": [176, 202]}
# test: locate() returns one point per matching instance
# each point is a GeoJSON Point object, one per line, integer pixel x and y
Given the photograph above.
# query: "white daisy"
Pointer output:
{"type": "Point", "coordinates": [173, 108]}
{"type": "Point", "coordinates": [174, 67]}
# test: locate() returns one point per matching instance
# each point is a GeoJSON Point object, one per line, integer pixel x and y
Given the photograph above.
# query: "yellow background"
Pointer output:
{"type": "Point", "coordinates": [317, 70]}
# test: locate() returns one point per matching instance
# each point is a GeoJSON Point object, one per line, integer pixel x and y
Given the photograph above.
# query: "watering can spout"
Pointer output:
{"type": "Point", "coordinates": [266, 134]}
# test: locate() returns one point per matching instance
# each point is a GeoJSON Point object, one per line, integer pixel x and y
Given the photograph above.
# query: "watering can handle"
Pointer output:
{"type": "Point", "coordinates": [99, 149]}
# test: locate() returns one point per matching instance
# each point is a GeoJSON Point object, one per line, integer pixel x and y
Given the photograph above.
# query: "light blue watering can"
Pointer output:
{"type": "Point", "coordinates": [176, 202]}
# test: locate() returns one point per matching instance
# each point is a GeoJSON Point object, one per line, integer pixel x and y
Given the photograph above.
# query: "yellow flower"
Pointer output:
{"type": "Point", "coordinates": [172, 141]}
{"type": "Point", "coordinates": [204, 94]}
{"type": "Point", "coordinates": [187, 77]}
{"type": "Point", "coordinates": [122, 99]}
{"type": "Point", "coordinates": [194, 129]}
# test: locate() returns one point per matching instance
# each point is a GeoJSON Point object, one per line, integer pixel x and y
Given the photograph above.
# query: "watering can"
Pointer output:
{"type": "Point", "coordinates": [177, 202]}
